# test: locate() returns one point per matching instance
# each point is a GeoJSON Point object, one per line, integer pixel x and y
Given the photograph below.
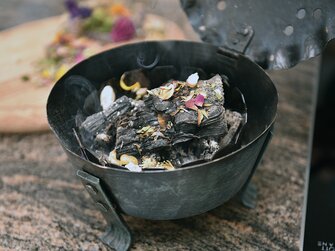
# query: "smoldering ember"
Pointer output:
{"type": "Point", "coordinates": [174, 125]}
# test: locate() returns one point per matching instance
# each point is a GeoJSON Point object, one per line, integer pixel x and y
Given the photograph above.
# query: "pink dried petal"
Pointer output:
{"type": "Point", "coordinates": [190, 104]}
{"type": "Point", "coordinates": [123, 30]}
{"type": "Point", "coordinates": [199, 100]}
{"type": "Point", "coordinates": [79, 57]}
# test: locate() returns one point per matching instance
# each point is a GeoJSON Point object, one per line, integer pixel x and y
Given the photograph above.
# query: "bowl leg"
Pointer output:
{"type": "Point", "coordinates": [248, 194]}
{"type": "Point", "coordinates": [118, 235]}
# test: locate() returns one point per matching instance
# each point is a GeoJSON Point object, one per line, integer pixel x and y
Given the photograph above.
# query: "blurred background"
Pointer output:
{"type": "Point", "coordinates": [57, 40]}
{"type": "Point", "coordinates": [13, 12]}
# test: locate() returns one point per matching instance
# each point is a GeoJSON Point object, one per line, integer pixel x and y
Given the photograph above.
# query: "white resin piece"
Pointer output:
{"type": "Point", "coordinates": [107, 97]}
{"type": "Point", "coordinates": [193, 79]}
{"type": "Point", "coordinates": [132, 167]}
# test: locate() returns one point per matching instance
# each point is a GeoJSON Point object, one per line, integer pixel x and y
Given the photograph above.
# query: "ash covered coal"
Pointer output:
{"type": "Point", "coordinates": [174, 125]}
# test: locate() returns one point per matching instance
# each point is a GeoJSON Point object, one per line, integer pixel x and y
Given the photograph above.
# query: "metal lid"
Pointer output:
{"type": "Point", "coordinates": [275, 34]}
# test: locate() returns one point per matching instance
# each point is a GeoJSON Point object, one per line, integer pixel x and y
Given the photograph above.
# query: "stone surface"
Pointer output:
{"type": "Point", "coordinates": [43, 205]}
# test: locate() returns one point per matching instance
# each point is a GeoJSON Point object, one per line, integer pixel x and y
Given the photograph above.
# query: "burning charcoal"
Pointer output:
{"type": "Point", "coordinates": [234, 120]}
{"type": "Point", "coordinates": [183, 137]}
{"type": "Point", "coordinates": [214, 114]}
{"type": "Point", "coordinates": [213, 90]}
{"type": "Point", "coordinates": [140, 132]}
{"type": "Point", "coordinates": [126, 141]}
{"type": "Point", "coordinates": [162, 105]}
{"type": "Point", "coordinates": [217, 129]}
{"type": "Point", "coordinates": [100, 124]}
{"type": "Point", "coordinates": [176, 124]}
{"type": "Point", "coordinates": [186, 121]}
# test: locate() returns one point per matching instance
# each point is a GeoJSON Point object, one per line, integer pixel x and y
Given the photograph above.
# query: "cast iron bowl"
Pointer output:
{"type": "Point", "coordinates": [162, 195]}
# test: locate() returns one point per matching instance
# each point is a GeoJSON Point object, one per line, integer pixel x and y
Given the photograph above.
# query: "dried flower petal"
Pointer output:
{"type": "Point", "coordinates": [199, 100]}
{"type": "Point", "coordinates": [191, 105]}
{"type": "Point", "coordinates": [190, 96]}
{"type": "Point", "coordinates": [204, 112]}
{"type": "Point", "coordinates": [79, 57]}
{"type": "Point", "coordinates": [192, 80]}
{"type": "Point", "coordinates": [119, 9]}
{"type": "Point", "coordinates": [178, 85]}
{"type": "Point", "coordinates": [126, 159]}
{"type": "Point", "coordinates": [158, 134]}
{"type": "Point", "coordinates": [146, 131]}
{"type": "Point", "coordinates": [164, 92]}
{"type": "Point", "coordinates": [84, 12]}
{"type": "Point", "coordinates": [166, 165]}
{"type": "Point", "coordinates": [161, 121]}
{"type": "Point", "coordinates": [149, 162]}
{"type": "Point", "coordinates": [112, 158]}
{"type": "Point", "coordinates": [169, 125]}
{"type": "Point", "coordinates": [218, 94]}
{"type": "Point", "coordinates": [134, 87]}
{"type": "Point", "coordinates": [61, 71]}
{"type": "Point", "coordinates": [141, 92]}
{"type": "Point", "coordinates": [76, 11]}
{"type": "Point", "coordinates": [200, 117]}
{"type": "Point", "coordinates": [123, 30]}
{"type": "Point", "coordinates": [196, 102]}
{"type": "Point", "coordinates": [207, 105]}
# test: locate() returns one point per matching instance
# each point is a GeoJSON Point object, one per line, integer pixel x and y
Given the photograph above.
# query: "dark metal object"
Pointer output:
{"type": "Point", "coordinates": [163, 195]}
{"type": "Point", "coordinates": [248, 193]}
{"type": "Point", "coordinates": [274, 34]}
{"type": "Point", "coordinates": [117, 235]}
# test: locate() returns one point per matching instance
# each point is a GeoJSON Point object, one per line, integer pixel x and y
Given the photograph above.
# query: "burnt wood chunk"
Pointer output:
{"type": "Point", "coordinates": [97, 130]}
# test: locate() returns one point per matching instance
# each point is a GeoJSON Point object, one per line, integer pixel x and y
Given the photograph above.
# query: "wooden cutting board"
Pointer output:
{"type": "Point", "coordinates": [23, 103]}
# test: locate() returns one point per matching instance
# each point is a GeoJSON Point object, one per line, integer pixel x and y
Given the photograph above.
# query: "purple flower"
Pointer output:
{"type": "Point", "coordinates": [123, 30]}
{"type": "Point", "coordinates": [84, 12]}
{"type": "Point", "coordinates": [76, 11]}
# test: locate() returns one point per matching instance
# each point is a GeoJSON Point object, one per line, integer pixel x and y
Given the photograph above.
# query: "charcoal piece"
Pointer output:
{"type": "Point", "coordinates": [152, 145]}
{"type": "Point", "coordinates": [163, 105]}
{"type": "Point", "coordinates": [206, 148]}
{"type": "Point", "coordinates": [131, 136]}
{"type": "Point", "coordinates": [214, 114]}
{"type": "Point", "coordinates": [186, 122]}
{"type": "Point", "coordinates": [183, 137]}
{"type": "Point", "coordinates": [99, 121]}
{"type": "Point", "coordinates": [184, 155]}
{"type": "Point", "coordinates": [126, 141]}
{"type": "Point", "coordinates": [213, 88]}
{"type": "Point", "coordinates": [102, 121]}
{"type": "Point", "coordinates": [143, 118]}
{"type": "Point", "coordinates": [214, 130]}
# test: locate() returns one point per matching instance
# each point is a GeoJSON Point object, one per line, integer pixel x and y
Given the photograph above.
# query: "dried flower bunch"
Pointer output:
{"type": "Point", "coordinates": [168, 127]}
{"type": "Point", "coordinates": [85, 27]}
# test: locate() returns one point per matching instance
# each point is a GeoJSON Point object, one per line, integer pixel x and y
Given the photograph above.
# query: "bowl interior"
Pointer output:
{"type": "Point", "coordinates": [176, 60]}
